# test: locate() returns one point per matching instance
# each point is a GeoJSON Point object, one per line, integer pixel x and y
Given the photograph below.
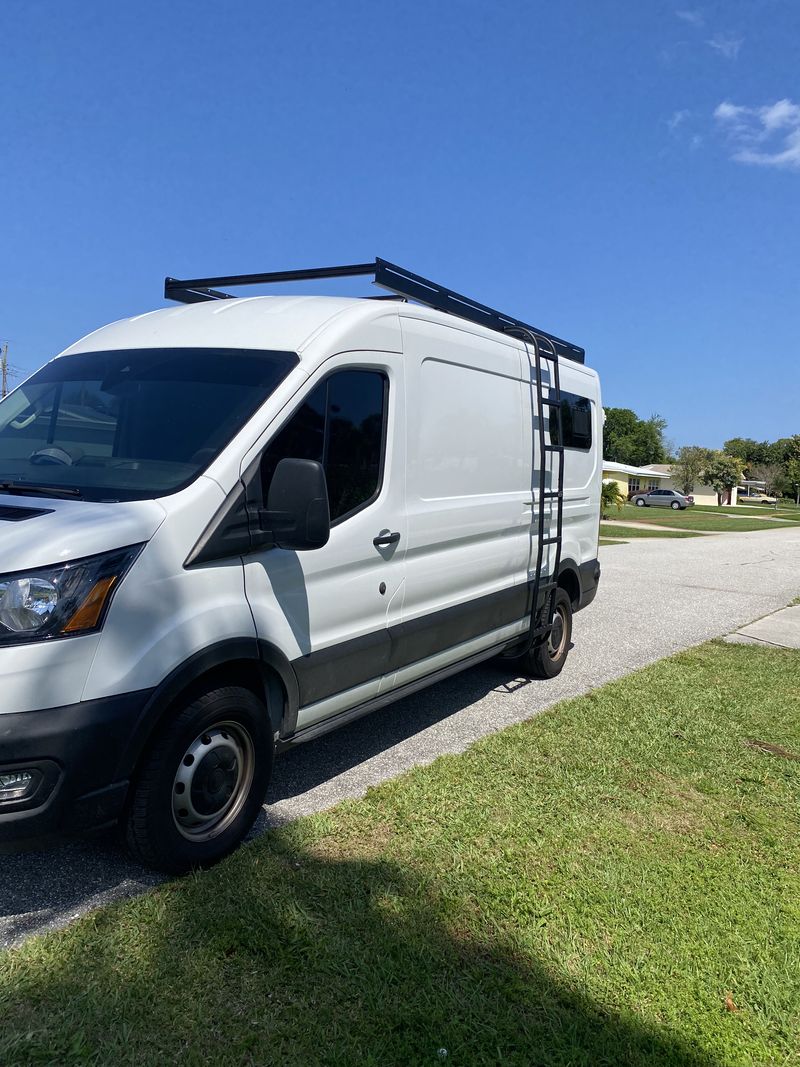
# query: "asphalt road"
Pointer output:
{"type": "Point", "coordinates": [656, 597]}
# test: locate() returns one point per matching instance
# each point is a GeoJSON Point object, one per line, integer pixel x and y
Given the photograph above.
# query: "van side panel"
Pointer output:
{"type": "Point", "coordinates": [468, 486]}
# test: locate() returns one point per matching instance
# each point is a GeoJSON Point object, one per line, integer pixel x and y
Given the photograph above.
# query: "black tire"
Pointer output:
{"type": "Point", "coordinates": [675, 505]}
{"type": "Point", "coordinates": [543, 660]}
{"type": "Point", "coordinates": [229, 730]}
{"type": "Point", "coordinates": [641, 503]}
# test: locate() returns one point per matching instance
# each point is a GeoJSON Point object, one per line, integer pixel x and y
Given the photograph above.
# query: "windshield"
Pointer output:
{"type": "Point", "coordinates": [131, 424]}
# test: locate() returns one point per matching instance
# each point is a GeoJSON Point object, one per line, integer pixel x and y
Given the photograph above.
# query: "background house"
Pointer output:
{"type": "Point", "coordinates": [703, 494]}
{"type": "Point", "coordinates": [655, 476]}
{"type": "Point", "coordinates": [633, 479]}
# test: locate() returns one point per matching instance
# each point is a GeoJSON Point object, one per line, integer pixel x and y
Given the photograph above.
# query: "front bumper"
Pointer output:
{"type": "Point", "coordinates": [76, 752]}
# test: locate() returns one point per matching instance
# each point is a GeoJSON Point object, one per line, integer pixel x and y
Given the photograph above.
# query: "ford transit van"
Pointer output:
{"type": "Point", "coordinates": [231, 525]}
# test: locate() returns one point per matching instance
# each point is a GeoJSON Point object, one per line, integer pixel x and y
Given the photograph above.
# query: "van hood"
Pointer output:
{"type": "Point", "coordinates": [39, 531]}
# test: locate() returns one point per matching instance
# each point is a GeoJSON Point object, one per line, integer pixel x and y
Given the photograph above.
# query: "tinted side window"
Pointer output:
{"type": "Point", "coordinates": [341, 425]}
{"type": "Point", "coordinates": [574, 422]}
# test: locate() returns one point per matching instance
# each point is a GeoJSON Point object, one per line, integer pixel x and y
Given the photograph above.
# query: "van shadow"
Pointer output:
{"type": "Point", "coordinates": [303, 952]}
{"type": "Point", "coordinates": [310, 764]}
{"type": "Point", "coordinates": [47, 886]}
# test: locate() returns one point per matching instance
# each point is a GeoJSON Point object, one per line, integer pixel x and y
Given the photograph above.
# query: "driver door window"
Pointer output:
{"type": "Point", "coordinates": [341, 424]}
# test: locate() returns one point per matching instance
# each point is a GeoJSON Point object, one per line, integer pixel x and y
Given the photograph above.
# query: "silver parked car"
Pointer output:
{"type": "Point", "coordinates": [663, 498]}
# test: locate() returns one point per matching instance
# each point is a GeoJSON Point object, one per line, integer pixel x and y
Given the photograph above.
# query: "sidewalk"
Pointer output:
{"type": "Point", "coordinates": [632, 524]}
{"type": "Point", "coordinates": [781, 630]}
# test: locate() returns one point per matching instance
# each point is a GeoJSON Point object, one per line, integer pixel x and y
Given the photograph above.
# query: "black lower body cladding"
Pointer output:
{"type": "Point", "coordinates": [74, 753]}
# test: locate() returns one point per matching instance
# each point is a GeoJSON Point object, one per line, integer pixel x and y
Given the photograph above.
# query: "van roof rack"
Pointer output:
{"type": "Point", "coordinates": [403, 283]}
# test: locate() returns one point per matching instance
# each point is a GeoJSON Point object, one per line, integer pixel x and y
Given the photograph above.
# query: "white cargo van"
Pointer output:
{"type": "Point", "coordinates": [230, 526]}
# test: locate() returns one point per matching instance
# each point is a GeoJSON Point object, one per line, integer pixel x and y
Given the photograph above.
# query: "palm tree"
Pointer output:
{"type": "Point", "coordinates": [610, 497]}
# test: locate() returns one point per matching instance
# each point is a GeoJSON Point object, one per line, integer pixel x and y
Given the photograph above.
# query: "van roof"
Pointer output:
{"type": "Point", "coordinates": [277, 323]}
{"type": "Point", "coordinates": [282, 323]}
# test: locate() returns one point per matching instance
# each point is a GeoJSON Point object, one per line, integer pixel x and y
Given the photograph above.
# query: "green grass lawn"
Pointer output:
{"type": "Point", "coordinates": [610, 530]}
{"type": "Point", "coordinates": [609, 541]}
{"type": "Point", "coordinates": [753, 509]}
{"type": "Point", "coordinates": [692, 519]}
{"type": "Point", "coordinates": [615, 882]}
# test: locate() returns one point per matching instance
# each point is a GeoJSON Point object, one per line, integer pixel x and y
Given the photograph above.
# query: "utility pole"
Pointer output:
{"type": "Point", "coordinates": [7, 372]}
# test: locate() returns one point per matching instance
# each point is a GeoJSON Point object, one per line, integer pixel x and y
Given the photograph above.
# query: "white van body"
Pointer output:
{"type": "Point", "coordinates": [318, 636]}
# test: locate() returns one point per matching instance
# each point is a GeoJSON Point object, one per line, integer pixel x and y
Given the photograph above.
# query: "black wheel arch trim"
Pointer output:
{"type": "Point", "coordinates": [584, 578]}
{"type": "Point", "coordinates": [572, 585]}
{"type": "Point", "coordinates": [589, 576]}
{"type": "Point", "coordinates": [185, 675]}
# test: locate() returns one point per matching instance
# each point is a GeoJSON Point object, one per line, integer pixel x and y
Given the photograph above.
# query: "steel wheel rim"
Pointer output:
{"type": "Point", "coordinates": [213, 781]}
{"type": "Point", "coordinates": [557, 637]}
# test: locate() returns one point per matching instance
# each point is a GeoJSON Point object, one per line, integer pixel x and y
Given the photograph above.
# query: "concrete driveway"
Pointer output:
{"type": "Point", "coordinates": [656, 597]}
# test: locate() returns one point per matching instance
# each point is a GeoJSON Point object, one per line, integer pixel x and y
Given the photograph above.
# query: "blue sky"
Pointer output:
{"type": "Point", "coordinates": [626, 175]}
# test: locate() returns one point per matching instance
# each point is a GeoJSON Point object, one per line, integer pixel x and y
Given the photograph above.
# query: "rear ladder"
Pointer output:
{"type": "Point", "coordinates": [550, 500]}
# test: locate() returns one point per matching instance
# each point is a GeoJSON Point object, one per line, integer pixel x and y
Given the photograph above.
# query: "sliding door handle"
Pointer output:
{"type": "Point", "coordinates": [385, 540]}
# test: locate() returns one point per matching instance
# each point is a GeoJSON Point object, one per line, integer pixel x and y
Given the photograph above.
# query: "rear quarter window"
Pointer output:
{"type": "Point", "coordinates": [573, 426]}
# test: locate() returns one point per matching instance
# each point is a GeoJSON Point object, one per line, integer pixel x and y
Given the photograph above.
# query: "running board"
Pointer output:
{"type": "Point", "coordinates": [318, 729]}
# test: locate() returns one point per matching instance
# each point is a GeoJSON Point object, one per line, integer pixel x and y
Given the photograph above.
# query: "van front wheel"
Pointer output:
{"type": "Point", "coordinates": [547, 659]}
{"type": "Point", "coordinates": [202, 784]}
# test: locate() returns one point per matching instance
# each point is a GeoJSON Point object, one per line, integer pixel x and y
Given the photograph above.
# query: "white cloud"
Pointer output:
{"type": "Point", "coordinates": [729, 112]}
{"type": "Point", "coordinates": [726, 44]}
{"type": "Point", "coordinates": [682, 125]}
{"type": "Point", "coordinates": [694, 18]}
{"type": "Point", "coordinates": [767, 136]}
{"type": "Point", "coordinates": [676, 119]}
{"type": "Point", "coordinates": [781, 114]}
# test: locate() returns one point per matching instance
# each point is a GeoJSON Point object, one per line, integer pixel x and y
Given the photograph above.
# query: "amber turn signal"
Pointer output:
{"type": "Point", "coordinates": [88, 614]}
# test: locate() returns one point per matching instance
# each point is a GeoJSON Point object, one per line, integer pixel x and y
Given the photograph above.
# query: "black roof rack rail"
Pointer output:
{"type": "Point", "coordinates": [398, 280]}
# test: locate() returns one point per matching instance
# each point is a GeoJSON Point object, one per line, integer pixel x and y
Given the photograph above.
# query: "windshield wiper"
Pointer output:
{"type": "Point", "coordinates": [39, 490]}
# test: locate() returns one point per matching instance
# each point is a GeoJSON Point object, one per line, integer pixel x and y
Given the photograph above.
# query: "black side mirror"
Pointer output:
{"type": "Point", "coordinates": [297, 514]}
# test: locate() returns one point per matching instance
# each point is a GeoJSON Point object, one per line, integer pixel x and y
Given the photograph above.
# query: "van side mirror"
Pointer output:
{"type": "Point", "coordinates": [297, 515]}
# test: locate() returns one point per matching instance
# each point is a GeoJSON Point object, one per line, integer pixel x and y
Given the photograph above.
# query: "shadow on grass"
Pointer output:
{"type": "Point", "coordinates": [48, 885]}
{"type": "Point", "coordinates": [294, 954]}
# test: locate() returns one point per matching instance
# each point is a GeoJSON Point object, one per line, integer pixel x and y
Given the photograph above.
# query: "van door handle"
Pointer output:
{"type": "Point", "coordinates": [384, 540]}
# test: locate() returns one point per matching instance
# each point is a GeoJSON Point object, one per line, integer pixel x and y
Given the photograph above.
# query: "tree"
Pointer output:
{"type": "Point", "coordinates": [722, 473]}
{"type": "Point", "coordinates": [792, 479]}
{"type": "Point", "coordinates": [782, 450]}
{"type": "Point", "coordinates": [771, 474]}
{"type": "Point", "coordinates": [748, 450]}
{"type": "Point", "coordinates": [619, 430]}
{"type": "Point", "coordinates": [610, 497]}
{"type": "Point", "coordinates": [689, 463]}
{"type": "Point", "coordinates": [787, 450]}
{"type": "Point", "coordinates": [758, 453]}
{"type": "Point", "coordinates": [629, 439]}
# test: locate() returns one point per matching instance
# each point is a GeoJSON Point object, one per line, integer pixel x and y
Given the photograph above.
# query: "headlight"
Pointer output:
{"type": "Point", "coordinates": [70, 598]}
{"type": "Point", "coordinates": [26, 603]}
